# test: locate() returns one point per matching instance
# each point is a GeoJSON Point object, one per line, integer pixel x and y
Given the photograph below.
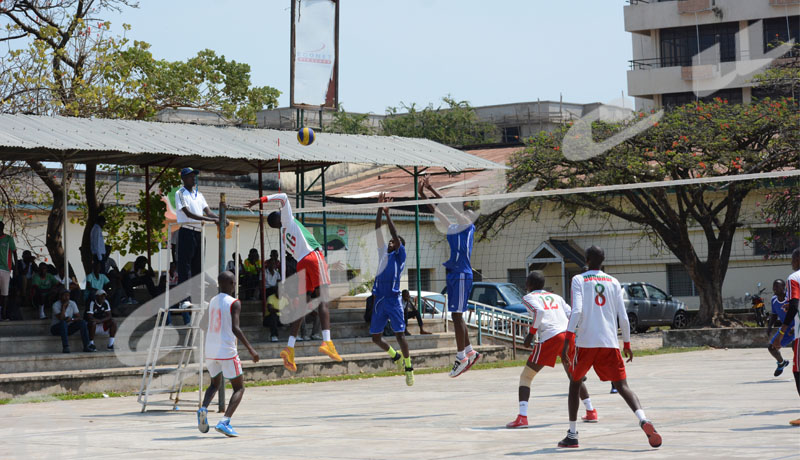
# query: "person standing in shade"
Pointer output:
{"type": "Point", "coordinates": [98, 244]}
{"type": "Point", "coordinates": [8, 257]}
{"type": "Point", "coordinates": [192, 209]}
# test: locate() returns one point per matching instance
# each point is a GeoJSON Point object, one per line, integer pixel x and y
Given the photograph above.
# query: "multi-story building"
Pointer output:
{"type": "Point", "coordinates": [694, 49]}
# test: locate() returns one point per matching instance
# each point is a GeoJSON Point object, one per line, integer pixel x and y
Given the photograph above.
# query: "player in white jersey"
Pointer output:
{"type": "Point", "coordinates": [550, 318]}
{"type": "Point", "coordinates": [222, 355]}
{"type": "Point", "coordinates": [313, 277]}
{"type": "Point", "coordinates": [793, 297]}
{"type": "Point", "coordinates": [597, 305]}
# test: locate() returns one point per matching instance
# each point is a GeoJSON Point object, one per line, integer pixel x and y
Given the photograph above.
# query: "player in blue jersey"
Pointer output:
{"type": "Point", "coordinates": [779, 307]}
{"type": "Point", "coordinates": [459, 274]}
{"type": "Point", "coordinates": [386, 292]}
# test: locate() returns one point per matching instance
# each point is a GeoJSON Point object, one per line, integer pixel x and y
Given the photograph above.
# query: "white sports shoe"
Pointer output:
{"type": "Point", "coordinates": [459, 367]}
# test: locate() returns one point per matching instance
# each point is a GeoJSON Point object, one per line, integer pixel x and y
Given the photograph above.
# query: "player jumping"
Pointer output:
{"type": "Point", "coordinates": [386, 292]}
{"type": "Point", "coordinates": [597, 305]}
{"type": "Point", "coordinates": [301, 244]}
{"type": "Point", "coordinates": [779, 306]}
{"type": "Point", "coordinates": [550, 317]}
{"type": "Point", "coordinates": [222, 356]}
{"type": "Point", "coordinates": [459, 275]}
{"type": "Point", "coordinates": [793, 296]}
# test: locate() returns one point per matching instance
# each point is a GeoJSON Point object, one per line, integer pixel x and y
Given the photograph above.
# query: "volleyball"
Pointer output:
{"type": "Point", "coordinates": [305, 136]}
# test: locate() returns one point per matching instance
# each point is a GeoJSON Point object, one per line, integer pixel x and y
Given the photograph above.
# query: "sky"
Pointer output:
{"type": "Point", "coordinates": [393, 51]}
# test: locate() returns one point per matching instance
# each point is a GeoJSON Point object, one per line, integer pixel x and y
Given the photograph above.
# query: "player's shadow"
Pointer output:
{"type": "Point", "coordinates": [765, 428]}
{"type": "Point", "coordinates": [411, 417]}
{"type": "Point", "coordinates": [503, 428]}
{"type": "Point", "coordinates": [561, 450]}
{"type": "Point", "coordinates": [155, 413]}
{"type": "Point", "coordinates": [759, 382]}
{"type": "Point", "coordinates": [773, 412]}
{"type": "Point", "coordinates": [189, 438]}
{"type": "Point", "coordinates": [345, 415]}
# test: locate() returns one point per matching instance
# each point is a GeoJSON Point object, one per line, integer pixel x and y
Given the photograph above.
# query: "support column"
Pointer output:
{"type": "Point", "coordinates": [223, 213]}
{"type": "Point", "coordinates": [416, 231]}
{"type": "Point", "coordinates": [147, 213]}
{"type": "Point", "coordinates": [324, 214]}
{"type": "Point", "coordinates": [263, 286]}
{"type": "Point", "coordinates": [66, 220]}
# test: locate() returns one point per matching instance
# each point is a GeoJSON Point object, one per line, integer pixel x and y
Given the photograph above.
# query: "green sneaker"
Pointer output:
{"type": "Point", "coordinates": [410, 376]}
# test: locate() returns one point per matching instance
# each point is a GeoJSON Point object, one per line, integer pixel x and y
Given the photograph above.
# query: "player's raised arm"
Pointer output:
{"type": "Point", "coordinates": [236, 309]}
{"type": "Point", "coordinates": [378, 223]}
{"type": "Point", "coordinates": [461, 218]}
{"type": "Point", "coordinates": [425, 182]}
{"type": "Point", "coordinates": [392, 229]}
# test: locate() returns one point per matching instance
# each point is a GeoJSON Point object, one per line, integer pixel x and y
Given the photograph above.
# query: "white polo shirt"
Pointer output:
{"type": "Point", "coordinates": [194, 201]}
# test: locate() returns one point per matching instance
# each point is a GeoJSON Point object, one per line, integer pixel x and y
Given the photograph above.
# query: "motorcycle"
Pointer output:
{"type": "Point", "coordinates": [758, 305]}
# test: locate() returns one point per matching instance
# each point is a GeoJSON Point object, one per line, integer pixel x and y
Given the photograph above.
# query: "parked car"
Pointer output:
{"type": "Point", "coordinates": [649, 306]}
{"type": "Point", "coordinates": [502, 295]}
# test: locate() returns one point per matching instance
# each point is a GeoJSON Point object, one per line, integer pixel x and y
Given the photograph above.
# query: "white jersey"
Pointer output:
{"type": "Point", "coordinates": [220, 341]}
{"type": "Point", "coordinates": [549, 311]}
{"type": "Point", "coordinates": [296, 240]}
{"type": "Point", "coordinates": [597, 304]}
{"type": "Point", "coordinates": [793, 292]}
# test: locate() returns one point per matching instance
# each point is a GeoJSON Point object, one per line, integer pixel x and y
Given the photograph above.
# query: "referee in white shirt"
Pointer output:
{"type": "Point", "coordinates": [192, 208]}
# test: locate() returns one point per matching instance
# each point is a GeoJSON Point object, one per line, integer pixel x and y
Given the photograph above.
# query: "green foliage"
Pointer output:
{"type": "Point", "coordinates": [137, 230]}
{"type": "Point", "coordinates": [455, 124]}
{"type": "Point", "coordinates": [349, 123]}
{"type": "Point", "coordinates": [696, 140]}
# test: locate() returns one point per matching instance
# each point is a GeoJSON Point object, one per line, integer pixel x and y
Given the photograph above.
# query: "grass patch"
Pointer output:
{"type": "Point", "coordinates": [332, 378]}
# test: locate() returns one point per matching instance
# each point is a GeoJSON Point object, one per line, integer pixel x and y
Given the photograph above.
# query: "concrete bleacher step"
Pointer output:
{"type": "Point", "coordinates": [44, 342]}
{"type": "Point", "coordinates": [103, 359]}
{"type": "Point", "coordinates": [128, 379]}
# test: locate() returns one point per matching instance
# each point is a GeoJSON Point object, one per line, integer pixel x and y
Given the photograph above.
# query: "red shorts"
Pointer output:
{"type": "Point", "coordinates": [796, 358]}
{"type": "Point", "coordinates": [607, 363]}
{"type": "Point", "coordinates": [316, 271]}
{"type": "Point", "coordinates": [545, 353]}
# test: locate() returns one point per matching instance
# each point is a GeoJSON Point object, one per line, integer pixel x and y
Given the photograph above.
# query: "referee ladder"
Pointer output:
{"type": "Point", "coordinates": [190, 348]}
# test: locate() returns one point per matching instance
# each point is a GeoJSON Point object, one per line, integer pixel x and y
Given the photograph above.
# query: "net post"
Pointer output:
{"type": "Point", "coordinates": [221, 229]}
{"type": "Point", "coordinates": [416, 232]}
{"type": "Point", "coordinates": [262, 284]}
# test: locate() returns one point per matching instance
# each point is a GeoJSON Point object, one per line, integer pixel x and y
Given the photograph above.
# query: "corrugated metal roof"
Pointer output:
{"type": "Point", "coordinates": [127, 142]}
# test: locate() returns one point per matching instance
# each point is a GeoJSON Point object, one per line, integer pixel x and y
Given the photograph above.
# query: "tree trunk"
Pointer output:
{"type": "Point", "coordinates": [92, 213]}
{"type": "Point", "coordinates": [55, 221]}
{"type": "Point", "coordinates": [711, 313]}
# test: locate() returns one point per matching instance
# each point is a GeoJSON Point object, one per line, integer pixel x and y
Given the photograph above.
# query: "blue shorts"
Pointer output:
{"type": "Point", "coordinates": [787, 340]}
{"type": "Point", "coordinates": [459, 286]}
{"type": "Point", "coordinates": [387, 308]}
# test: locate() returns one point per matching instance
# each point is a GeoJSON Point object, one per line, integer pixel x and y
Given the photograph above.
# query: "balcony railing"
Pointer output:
{"type": "Point", "coordinates": [658, 63]}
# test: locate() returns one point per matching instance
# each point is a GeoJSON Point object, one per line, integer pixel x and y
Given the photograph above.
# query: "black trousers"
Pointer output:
{"type": "Point", "coordinates": [188, 254]}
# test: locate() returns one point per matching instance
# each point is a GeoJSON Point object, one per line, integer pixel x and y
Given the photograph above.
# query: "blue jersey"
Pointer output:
{"type": "Point", "coordinates": [387, 283]}
{"type": "Point", "coordinates": [778, 309]}
{"type": "Point", "coordinates": [459, 237]}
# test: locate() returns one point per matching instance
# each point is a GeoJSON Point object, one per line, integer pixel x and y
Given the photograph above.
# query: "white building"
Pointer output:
{"type": "Point", "coordinates": [736, 39]}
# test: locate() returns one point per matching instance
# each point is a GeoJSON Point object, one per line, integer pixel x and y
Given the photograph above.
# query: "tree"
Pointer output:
{"type": "Point", "coordinates": [696, 140]}
{"type": "Point", "coordinates": [65, 62]}
{"type": "Point", "coordinates": [349, 123]}
{"type": "Point", "coordinates": [456, 124]}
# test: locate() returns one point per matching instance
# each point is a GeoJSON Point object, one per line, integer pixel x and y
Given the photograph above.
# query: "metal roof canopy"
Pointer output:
{"type": "Point", "coordinates": [212, 148]}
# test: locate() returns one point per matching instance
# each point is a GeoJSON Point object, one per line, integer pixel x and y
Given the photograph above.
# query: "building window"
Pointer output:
{"type": "Point", "coordinates": [679, 283]}
{"type": "Point", "coordinates": [679, 44]}
{"type": "Point", "coordinates": [425, 279]}
{"type": "Point", "coordinates": [517, 276]}
{"type": "Point", "coordinates": [511, 135]}
{"type": "Point", "coordinates": [772, 241]}
{"type": "Point", "coordinates": [781, 30]}
{"type": "Point", "coordinates": [732, 95]}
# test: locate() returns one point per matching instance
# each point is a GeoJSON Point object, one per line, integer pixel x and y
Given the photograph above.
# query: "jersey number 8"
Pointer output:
{"type": "Point", "coordinates": [599, 297]}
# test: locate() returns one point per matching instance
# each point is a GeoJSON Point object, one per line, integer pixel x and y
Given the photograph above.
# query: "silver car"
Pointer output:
{"type": "Point", "coordinates": [649, 306]}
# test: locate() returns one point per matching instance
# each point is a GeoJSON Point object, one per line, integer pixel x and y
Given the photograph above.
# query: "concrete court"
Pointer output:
{"type": "Point", "coordinates": [707, 404]}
